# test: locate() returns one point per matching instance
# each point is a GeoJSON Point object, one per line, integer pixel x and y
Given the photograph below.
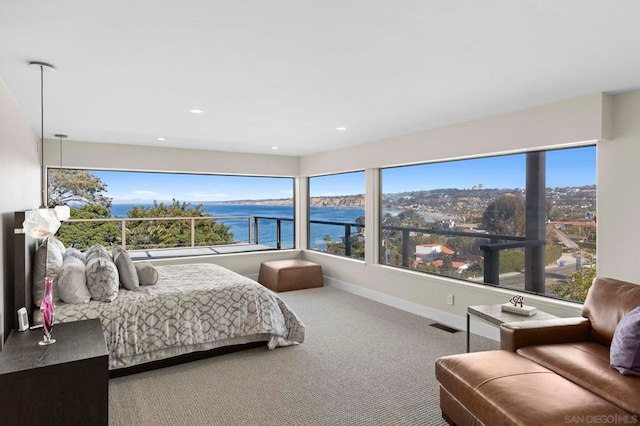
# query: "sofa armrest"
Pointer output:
{"type": "Point", "coordinates": [514, 335]}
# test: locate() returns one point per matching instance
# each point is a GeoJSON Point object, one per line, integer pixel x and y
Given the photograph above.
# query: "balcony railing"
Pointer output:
{"type": "Point", "coordinates": [252, 227]}
{"type": "Point", "coordinates": [491, 250]}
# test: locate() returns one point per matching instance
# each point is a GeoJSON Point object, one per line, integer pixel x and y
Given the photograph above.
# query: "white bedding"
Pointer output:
{"type": "Point", "coordinates": [192, 307]}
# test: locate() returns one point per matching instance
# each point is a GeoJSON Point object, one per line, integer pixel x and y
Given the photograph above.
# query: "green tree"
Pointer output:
{"type": "Point", "coordinates": [475, 269]}
{"type": "Point", "coordinates": [511, 260]}
{"type": "Point", "coordinates": [83, 235]}
{"type": "Point", "coordinates": [174, 233]}
{"type": "Point", "coordinates": [505, 216]}
{"type": "Point", "coordinates": [76, 187]}
{"type": "Point", "coordinates": [577, 287]}
{"type": "Point", "coordinates": [327, 240]}
{"type": "Point", "coordinates": [87, 190]}
{"type": "Point", "coordinates": [447, 264]}
{"type": "Point", "coordinates": [552, 253]}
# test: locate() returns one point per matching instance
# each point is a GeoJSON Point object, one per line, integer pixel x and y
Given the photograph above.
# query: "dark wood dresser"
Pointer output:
{"type": "Point", "coordinates": [66, 383]}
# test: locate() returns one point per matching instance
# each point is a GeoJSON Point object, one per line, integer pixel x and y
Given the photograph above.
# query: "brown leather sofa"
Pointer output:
{"type": "Point", "coordinates": [549, 372]}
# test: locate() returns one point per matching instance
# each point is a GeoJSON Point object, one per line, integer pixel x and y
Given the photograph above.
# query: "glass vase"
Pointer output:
{"type": "Point", "coordinates": [46, 309]}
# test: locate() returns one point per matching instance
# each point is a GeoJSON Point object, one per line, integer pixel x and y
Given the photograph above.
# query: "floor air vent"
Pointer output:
{"type": "Point", "coordinates": [444, 327]}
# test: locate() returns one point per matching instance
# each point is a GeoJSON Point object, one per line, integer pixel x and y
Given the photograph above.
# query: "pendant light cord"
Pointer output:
{"type": "Point", "coordinates": [43, 182]}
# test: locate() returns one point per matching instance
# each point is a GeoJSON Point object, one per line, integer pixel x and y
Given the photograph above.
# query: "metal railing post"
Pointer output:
{"type": "Point", "coordinates": [278, 234]}
{"type": "Point", "coordinates": [491, 266]}
{"type": "Point", "coordinates": [193, 232]}
{"type": "Point", "coordinates": [255, 230]}
{"type": "Point", "coordinates": [347, 240]}
{"type": "Point", "coordinates": [123, 234]}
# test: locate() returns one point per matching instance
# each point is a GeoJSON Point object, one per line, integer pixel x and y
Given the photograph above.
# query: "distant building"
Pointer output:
{"type": "Point", "coordinates": [458, 266]}
{"type": "Point", "coordinates": [431, 252]}
{"type": "Point", "coordinates": [448, 224]}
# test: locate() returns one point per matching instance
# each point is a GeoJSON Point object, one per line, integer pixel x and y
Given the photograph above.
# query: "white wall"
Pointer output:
{"type": "Point", "coordinates": [104, 156]}
{"type": "Point", "coordinates": [618, 194]}
{"type": "Point", "coordinates": [19, 188]}
{"type": "Point", "coordinates": [574, 121]}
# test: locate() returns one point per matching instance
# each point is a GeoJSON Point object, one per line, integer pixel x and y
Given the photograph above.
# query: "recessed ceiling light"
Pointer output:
{"type": "Point", "coordinates": [161, 139]}
{"type": "Point", "coordinates": [274, 147]}
{"type": "Point", "coordinates": [196, 111]}
{"type": "Point", "coordinates": [341, 128]}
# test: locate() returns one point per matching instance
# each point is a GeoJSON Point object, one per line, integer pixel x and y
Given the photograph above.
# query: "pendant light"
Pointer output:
{"type": "Point", "coordinates": [63, 212]}
{"type": "Point", "coordinates": [41, 222]}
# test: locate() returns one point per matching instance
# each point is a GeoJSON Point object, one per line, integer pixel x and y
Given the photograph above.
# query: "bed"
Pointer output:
{"type": "Point", "coordinates": [192, 309]}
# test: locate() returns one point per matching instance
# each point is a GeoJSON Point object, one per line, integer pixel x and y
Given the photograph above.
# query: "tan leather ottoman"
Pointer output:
{"type": "Point", "coordinates": [502, 388]}
{"type": "Point", "coordinates": [286, 275]}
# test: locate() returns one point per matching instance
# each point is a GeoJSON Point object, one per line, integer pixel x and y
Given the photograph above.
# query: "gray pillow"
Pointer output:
{"type": "Point", "coordinates": [47, 263]}
{"type": "Point", "coordinates": [74, 252]}
{"type": "Point", "coordinates": [95, 251]}
{"type": "Point", "coordinates": [625, 347]}
{"type": "Point", "coordinates": [126, 269]}
{"type": "Point", "coordinates": [147, 274]}
{"type": "Point", "coordinates": [102, 278]}
{"type": "Point", "coordinates": [72, 281]}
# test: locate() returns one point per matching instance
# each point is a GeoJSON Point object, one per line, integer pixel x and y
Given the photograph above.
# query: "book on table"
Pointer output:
{"type": "Point", "coordinates": [520, 310]}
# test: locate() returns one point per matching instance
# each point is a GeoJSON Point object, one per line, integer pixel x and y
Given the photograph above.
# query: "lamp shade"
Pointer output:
{"type": "Point", "coordinates": [62, 212]}
{"type": "Point", "coordinates": [41, 223]}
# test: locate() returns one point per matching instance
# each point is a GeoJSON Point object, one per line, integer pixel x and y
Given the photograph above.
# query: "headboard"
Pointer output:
{"type": "Point", "coordinates": [24, 248]}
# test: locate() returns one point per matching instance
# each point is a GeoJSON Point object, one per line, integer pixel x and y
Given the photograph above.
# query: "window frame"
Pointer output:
{"type": "Point", "coordinates": [382, 249]}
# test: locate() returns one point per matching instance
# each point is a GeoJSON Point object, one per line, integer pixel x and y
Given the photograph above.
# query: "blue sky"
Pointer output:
{"type": "Point", "coordinates": [130, 187]}
{"type": "Point", "coordinates": [566, 167]}
{"type": "Point", "coordinates": [570, 167]}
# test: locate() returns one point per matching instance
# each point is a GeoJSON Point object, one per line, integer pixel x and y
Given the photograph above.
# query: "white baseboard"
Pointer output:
{"type": "Point", "coordinates": [477, 327]}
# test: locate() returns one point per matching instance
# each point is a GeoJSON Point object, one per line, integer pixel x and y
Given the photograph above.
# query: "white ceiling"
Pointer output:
{"type": "Point", "coordinates": [286, 73]}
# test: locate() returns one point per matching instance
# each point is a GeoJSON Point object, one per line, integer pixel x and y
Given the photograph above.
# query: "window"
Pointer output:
{"type": "Point", "coordinates": [524, 221]}
{"type": "Point", "coordinates": [336, 214]}
{"type": "Point", "coordinates": [220, 213]}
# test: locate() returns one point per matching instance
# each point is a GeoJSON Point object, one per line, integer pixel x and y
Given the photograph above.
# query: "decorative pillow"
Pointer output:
{"type": "Point", "coordinates": [147, 274]}
{"type": "Point", "coordinates": [72, 281]}
{"type": "Point", "coordinates": [126, 269]}
{"type": "Point", "coordinates": [96, 250]}
{"type": "Point", "coordinates": [102, 278]}
{"type": "Point", "coordinates": [625, 347]}
{"type": "Point", "coordinates": [47, 263]}
{"type": "Point", "coordinates": [74, 252]}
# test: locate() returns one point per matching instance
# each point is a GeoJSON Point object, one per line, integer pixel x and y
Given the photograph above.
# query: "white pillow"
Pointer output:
{"type": "Point", "coordinates": [147, 274]}
{"type": "Point", "coordinates": [126, 269]}
{"type": "Point", "coordinates": [47, 263]}
{"type": "Point", "coordinates": [102, 278]}
{"type": "Point", "coordinates": [72, 281]}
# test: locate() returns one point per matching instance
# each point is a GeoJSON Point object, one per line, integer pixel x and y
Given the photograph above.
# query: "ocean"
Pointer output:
{"type": "Point", "coordinates": [267, 228]}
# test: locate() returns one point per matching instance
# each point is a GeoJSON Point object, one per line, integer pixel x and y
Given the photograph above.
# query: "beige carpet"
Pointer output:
{"type": "Point", "coordinates": [362, 363]}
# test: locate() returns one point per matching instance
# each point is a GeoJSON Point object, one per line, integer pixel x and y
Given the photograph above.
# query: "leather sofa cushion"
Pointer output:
{"type": "Point", "coordinates": [501, 387]}
{"type": "Point", "coordinates": [607, 302]}
{"type": "Point", "coordinates": [587, 365]}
